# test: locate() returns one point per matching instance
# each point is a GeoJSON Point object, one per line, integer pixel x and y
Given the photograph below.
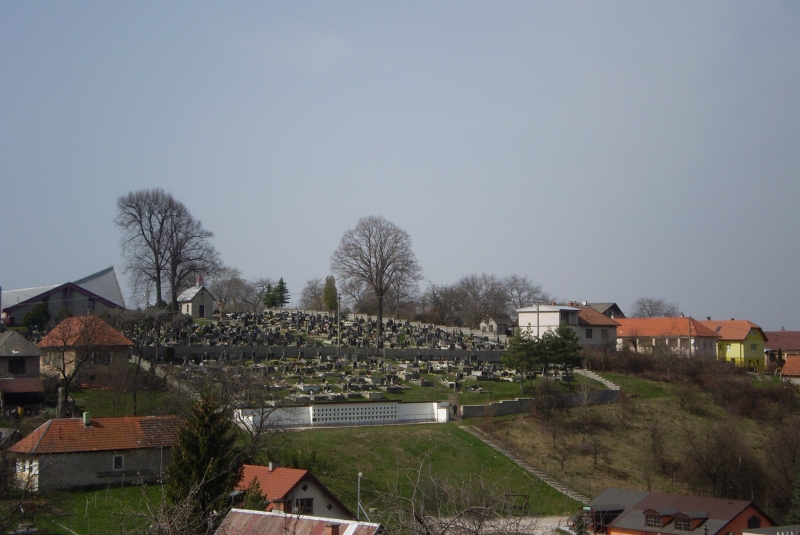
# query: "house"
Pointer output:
{"type": "Point", "coordinates": [686, 336]}
{"type": "Point", "coordinates": [89, 295]}
{"type": "Point", "coordinates": [780, 345]}
{"type": "Point", "coordinates": [611, 310]}
{"type": "Point", "coordinates": [246, 522]}
{"type": "Point", "coordinates": [196, 301]}
{"type": "Point", "coordinates": [740, 342]}
{"type": "Point", "coordinates": [793, 529]}
{"type": "Point", "coordinates": [293, 491]}
{"type": "Point", "coordinates": [632, 512]}
{"type": "Point", "coordinates": [20, 383]}
{"type": "Point", "coordinates": [493, 329]}
{"type": "Point", "coordinates": [98, 351]}
{"type": "Point", "coordinates": [538, 319]}
{"type": "Point", "coordinates": [76, 452]}
{"type": "Point", "coordinates": [596, 330]}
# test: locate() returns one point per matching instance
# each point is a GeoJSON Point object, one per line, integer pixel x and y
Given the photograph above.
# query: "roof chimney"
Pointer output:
{"type": "Point", "coordinates": [708, 318]}
{"type": "Point", "coordinates": [332, 528]}
{"type": "Point", "coordinates": [199, 281]}
{"type": "Point", "coordinates": [732, 319]}
{"type": "Point", "coordinates": [87, 419]}
{"type": "Point", "coordinates": [273, 465]}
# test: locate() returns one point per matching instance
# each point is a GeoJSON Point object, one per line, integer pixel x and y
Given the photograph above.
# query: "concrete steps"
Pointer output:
{"type": "Point", "coordinates": [591, 375]}
{"type": "Point", "coordinates": [560, 487]}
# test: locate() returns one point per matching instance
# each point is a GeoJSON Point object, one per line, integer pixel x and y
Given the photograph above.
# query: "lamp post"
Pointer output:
{"type": "Point", "coordinates": [338, 324]}
{"type": "Point", "coordinates": [358, 499]}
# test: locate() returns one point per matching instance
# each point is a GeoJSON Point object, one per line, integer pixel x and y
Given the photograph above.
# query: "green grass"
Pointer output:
{"type": "Point", "coordinates": [101, 403]}
{"type": "Point", "coordinates": [493, 391]}
{"type": "Point", "coordinates": [383, 453]}
{"type": "Point", "coordinates": [639, 387]}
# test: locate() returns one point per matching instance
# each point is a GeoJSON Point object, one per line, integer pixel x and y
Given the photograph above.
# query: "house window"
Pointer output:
{"type": "Point", "coordinates": [752, 347]}
{"type": "Point", "coordinates": [16, 366]}
{"type": "Point", "coordinates": [653, 521]}
{"type": "Point", "coordinates": [728, 347]}
{"type": "Point", "coordinates": [304, 506]}
{"type": "Point", "coordinates": [588, 333]}
{"type": "Point", "coordinates": [102, 358]}
{"type": "Point", "coordinates": [118, 463]}
{"type": "Point", "coordinates": [683, 524]}
{"type": "Point", "coordinates": [753, 522]}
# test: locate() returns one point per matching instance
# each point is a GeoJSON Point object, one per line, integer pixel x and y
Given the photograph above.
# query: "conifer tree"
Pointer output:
{"type": "Point", "coordinates": [254, 497]}
{"type": "Point", "coordinates": [205, 462]}
{"type": "Point", "coordinates": [282, 292]}
{"type": "Point", "coordinates": [330, 296]}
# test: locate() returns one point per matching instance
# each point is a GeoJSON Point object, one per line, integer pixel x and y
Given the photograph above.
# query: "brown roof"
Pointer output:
{"type": "Point", "coordinates": [22, 385]}
{"type": "Point", "coordinates": [245, 522]}
{"type": "Point", "coordinates": [277, 483]}
{"type": "Point", "coordinates": [662, 328]}
{"type": "Point", "coordinates": [588, 316]}
{"type": "Point", "coordinates": [69, 435]}
{"type": "Point", "coordinates": [733, 329]}
{"type": "Point", "coordinates": [13, 344]}
{"type": "Point", "coordinates": [792, 366]}
{"type": "Point", "coordinates": [82, 331]}
{"type": "Point", "coordinates": [783, 340]}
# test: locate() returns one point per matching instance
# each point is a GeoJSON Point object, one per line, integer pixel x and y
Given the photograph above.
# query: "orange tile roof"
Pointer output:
{"type": "Point", "coordinates": [784, 340]}
{"type": "Point", "coordinates": [732, 329]}
{"type": "Point", "coordinates": [275, 484]}
{"type": "Point", "coordinates": [792, 366]}
{"type": "Point", "coordinates": [84, 331]}
{"type": "Point", "coordinates": [662, 328]}
{"type": "Point", "coordinates": [69, 435]}
{"type": "Point", "coordinates": [590, 317]}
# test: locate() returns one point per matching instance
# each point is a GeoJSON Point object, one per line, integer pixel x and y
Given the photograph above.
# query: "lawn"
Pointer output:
{"type": "Point", "coordinates": [382, 454]}
{"type": "Point", "coordinates": [107, 402]}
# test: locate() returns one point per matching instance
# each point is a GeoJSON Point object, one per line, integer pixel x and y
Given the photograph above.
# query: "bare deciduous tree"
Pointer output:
{"type": "Point", "coordinates": [312, 295]}
{"type": "Point", "coordinates": [654, 307]}
{"type": "Point", "coordinates": [522, 292]}
{"type": "Point", "coordinates": [227, 286]}
{"type": "Point", "coordinates": [254, 292]}
{"type": "Point", "coordinates": [376, 253]}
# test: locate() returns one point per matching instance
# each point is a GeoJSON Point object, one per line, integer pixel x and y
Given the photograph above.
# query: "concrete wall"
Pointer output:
{"type": "Point", "coordinates": [521, 405]}
{"type": "Point", "coordinates": [347, 414]}
{"type": "Point", "coordinates": [70, 470]}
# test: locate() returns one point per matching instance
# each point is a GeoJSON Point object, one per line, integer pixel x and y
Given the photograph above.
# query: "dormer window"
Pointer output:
{"type": "Point", "coordinates": [683, 524]}
{"type": "Point", "coordinates": [653, 521]}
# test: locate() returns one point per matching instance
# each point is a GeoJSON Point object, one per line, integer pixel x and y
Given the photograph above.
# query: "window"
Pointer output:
{"type": "Point", "coordinates": [102, 358]}
{"type": "Point", "coordinates": [304, 506]}
{"type": "Point", "coordinates": [683, 524]}
{"type": "Point", "coordinates": [118, 463]}
{"type": "Point", "coordinates": [16, 366]}
{"type": "Point", "coordinates": [653, 521]}
{"type": "Point", "coordinates": [753, 347]}
{"type": "Point", "coordinates": [753, 522]}
{"type": "Point", "coordinates": [588, 333]}
{"type": "Point", "coordinates": [728, 347]}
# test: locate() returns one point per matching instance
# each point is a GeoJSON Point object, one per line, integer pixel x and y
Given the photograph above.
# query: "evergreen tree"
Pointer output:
{"type": "Point", "coordinates": [523, 354]}
{"type": "Point", "coordinates": [205, 464]}
{"type": "Point", "coordinates": [330, 296]}
{"type": "Point", "coordinates": [566, 347]}
{"type": "Point", "coordinates": [282, 293]}
{"type": "Point", "coordinates": [38, 317]}
{"type": "Point", "coordinates": [270, 296]}
{"type": "Point", "coordinates": [254, 497]}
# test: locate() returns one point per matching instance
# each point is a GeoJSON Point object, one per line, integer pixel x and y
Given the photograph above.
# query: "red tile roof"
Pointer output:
{"type": "Point", "coordinates": [244, 522]}
{"type": "Point", "coordinates": [84, 331]}
{"type": "Point", "coordinates": [783, 340]}
{"type": "Point", "coordinates": [69, 435]}
{"type": "Point", "coordinates": [662, 328]}
{"type": "Point", "coordinates": [732, 329]}
{"type": "Point", "coordinates": [588, 316]}
{"type": "Point", "coordinates": [792, 366]}
{"type": "Point", "coordinates": [275, 484]}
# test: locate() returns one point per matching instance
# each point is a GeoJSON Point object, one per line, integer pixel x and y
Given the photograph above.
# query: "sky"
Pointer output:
{"type": "Point", "coordinates": [606, 150]}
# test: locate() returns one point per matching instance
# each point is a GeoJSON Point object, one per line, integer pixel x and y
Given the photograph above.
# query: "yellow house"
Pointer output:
{"type": "Point", "coordinates": [741, 342]}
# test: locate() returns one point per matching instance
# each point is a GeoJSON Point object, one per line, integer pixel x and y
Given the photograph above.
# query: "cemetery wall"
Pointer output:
{"type": "Point", "coordinates": [260, 353]}
{"type": "Point", "coordinates": [521, 405]}
{"type": "Point", "coordinates": [347, 414]}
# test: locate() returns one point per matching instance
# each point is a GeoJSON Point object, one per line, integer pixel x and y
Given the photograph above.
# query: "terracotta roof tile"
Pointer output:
{"type": "Point", "coordinates": [84, 331]}
{"type": "Point", "coordinates": [275, 484]}
{"type": "Point", "coordinates": [590, 317]}
{"type": "Point", "coordinates": [783, 340]}
{"type": "Point", "coordinates": [69, 435]}
{"type": "Point", "coordinates": [792, 366]}
{"type": "Point", "coordinates": [732, 329]}
{"type": "Point", "coordinates": [662, 328]}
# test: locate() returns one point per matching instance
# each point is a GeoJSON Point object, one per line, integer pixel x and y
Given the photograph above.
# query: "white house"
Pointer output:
{"type": "Point", "coordinates": [196, 301]}
{"type": "Point", "coordinates": [538, 319]}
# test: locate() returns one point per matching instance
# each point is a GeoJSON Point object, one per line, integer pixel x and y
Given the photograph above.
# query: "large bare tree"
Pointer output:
{"type": "Point", "coordinates": [227, 286]}
{"type": "Point", "coordinates": [312, 294]}
{"type": "Point", "coordinates": [654, 307]}
{"type": "Point", "coordinates": [378, 254]}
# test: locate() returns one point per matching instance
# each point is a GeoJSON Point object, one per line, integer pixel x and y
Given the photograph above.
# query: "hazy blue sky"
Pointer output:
{"type": "Point", "coordinates": [607, 150]}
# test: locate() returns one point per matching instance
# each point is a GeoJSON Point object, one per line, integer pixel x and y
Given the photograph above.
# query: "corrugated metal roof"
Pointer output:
{"type": "Point", "coordinates": [245, 522]}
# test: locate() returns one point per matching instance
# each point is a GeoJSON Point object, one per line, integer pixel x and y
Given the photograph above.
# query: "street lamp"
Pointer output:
{"type": "Point", "coordinates": [338, 324]}
{"type": "Point", "coordinates": [358, 507]}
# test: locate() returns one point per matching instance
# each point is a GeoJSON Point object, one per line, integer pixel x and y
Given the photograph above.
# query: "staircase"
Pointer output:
{"type": "Point", "coordinates": [591, 375]}
{"type": "Point", "coordinates": [560, 487]}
